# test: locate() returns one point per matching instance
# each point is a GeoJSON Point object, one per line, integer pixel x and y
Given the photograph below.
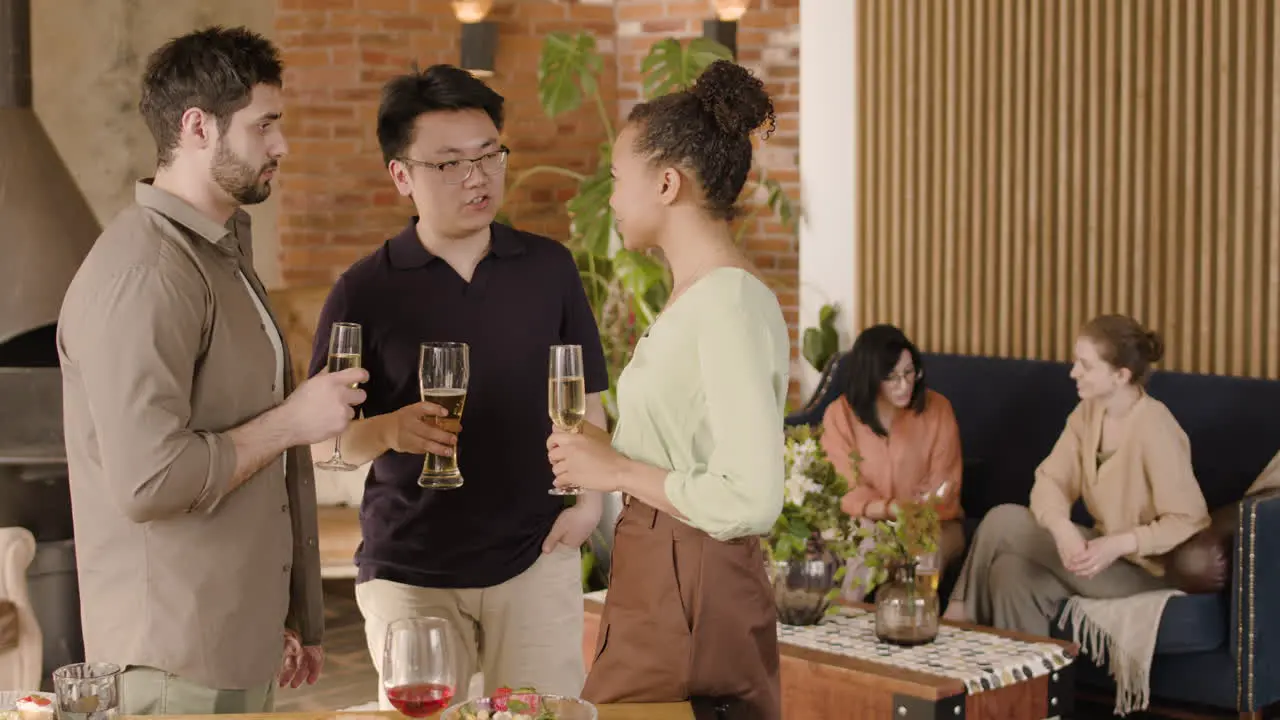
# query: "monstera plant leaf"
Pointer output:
{"type": "Point", "coordinates": [567, 71]}
{"type": "Point", "coordinates": [643, 278]}
{"type": "Point", "coordinates": [590, 216]}
{"type": "Point", "coordinates": [670, 67]}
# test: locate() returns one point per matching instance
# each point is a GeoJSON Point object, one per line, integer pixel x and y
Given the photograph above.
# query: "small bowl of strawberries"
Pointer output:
{"type": "Point", "coordinates": [522, 704]}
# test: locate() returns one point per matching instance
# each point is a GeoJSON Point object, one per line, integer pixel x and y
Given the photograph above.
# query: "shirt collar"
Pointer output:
{"type": "Point", "coordinates": [407, 252]}
{"type": "Point", "coordinates": [180, 211]}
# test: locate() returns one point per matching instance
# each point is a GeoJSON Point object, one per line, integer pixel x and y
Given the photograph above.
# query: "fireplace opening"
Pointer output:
{"type": "Point", "coordinates": [46, 229]}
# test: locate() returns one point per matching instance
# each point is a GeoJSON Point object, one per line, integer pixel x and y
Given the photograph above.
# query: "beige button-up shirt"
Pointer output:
{"type": "Point", "coordinates": [167, 344]}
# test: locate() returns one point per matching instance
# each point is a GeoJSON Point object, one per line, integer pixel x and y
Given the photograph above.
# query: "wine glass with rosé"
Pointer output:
{"type": "Point", "coordinates": [420, 665]}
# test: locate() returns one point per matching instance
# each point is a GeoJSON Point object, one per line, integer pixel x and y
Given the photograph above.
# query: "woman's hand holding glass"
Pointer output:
{"type": "Point", "coordinates": [585, 460]}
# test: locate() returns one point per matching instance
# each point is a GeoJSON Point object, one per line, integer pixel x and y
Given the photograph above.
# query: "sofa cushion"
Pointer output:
{"type": "Point", "coordinates": [1190, 624]}
{"type": "Point", "coordinates": [1193, 623]}
{"type": "Point", "coordinates": [1202, 564]}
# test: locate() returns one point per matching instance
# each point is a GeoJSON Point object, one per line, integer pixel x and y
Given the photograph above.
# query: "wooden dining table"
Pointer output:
{"type": "Point", "coordinates": [655, 711]}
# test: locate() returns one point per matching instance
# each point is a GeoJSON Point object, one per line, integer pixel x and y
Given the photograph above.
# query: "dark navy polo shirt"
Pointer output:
{"type": "Point", "coordinates": [525, 296]}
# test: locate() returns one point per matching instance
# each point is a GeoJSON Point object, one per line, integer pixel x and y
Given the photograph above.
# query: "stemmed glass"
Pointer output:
{"type": "Point", "coordinates": [420, 665]}
{"type": "Point", "coordinates": [566, 397]}
{"type": "Point", "coordinates": [344, 353]}
{"type": "Point", "coordinates": [443, 370]}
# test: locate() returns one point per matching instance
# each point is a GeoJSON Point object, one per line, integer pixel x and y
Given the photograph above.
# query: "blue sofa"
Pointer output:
{"type": "Point", "coordinates": [1010, 412]}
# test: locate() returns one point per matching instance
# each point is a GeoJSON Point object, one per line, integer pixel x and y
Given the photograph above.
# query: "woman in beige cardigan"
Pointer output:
{"type": "Point", "coordinates": [1126, 456]}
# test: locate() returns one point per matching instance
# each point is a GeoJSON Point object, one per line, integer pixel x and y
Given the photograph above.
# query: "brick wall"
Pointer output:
{"type": "Point", "coordinates": [336, 199]}
{"type": "Point", "coordinates": [768, 44]}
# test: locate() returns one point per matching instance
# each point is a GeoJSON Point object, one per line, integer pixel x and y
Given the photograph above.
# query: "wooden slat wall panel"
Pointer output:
{"type": "Point", "coordinates": [1027, 164]}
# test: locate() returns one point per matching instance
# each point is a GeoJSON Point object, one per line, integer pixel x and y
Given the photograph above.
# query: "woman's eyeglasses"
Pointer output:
{"type": "Point", "coordinates": [906, 376]}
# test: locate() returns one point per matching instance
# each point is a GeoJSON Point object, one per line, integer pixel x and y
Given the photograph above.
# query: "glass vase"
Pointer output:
{"type": "Point", "coordinates": [906, 608]}
{"type": "Point", "coordinates": [802, 586]}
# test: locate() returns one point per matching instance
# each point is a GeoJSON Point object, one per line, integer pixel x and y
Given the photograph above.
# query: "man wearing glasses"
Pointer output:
{"type": "Point", "coordinates": [498, 557]}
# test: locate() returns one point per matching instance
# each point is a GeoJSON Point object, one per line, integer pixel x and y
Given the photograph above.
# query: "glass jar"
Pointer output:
{"type": "Point", "coordinates": [906, 607]}
{"type": "Point", "coordinates": [802, 586]}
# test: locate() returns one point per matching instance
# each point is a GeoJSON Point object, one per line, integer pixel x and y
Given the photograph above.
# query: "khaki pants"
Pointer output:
{"type": "Point", "coordinates": [148, 691]}
{"type": "Point", "coordinates": [1013, 578]}
{"type": "Point", "coordinates": [524, 632]}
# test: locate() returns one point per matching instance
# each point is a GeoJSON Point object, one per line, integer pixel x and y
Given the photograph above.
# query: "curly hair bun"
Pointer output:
{"type": "Point", "coordinates": [734, 97]}
{"type": "Point", "coordinates": [1154, 346]}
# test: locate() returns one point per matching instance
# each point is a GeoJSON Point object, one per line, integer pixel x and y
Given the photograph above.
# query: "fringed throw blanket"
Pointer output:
{"type": "Point", "coordinates": [1122, 630]}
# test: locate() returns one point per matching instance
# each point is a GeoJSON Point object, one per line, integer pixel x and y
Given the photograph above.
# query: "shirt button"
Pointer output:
{"type": "Point", "coordinates": [311, 542]}
{"type": "Point", "coordinates": [287, 568]}
{"type": "Point", "coordinates": [284, 508]}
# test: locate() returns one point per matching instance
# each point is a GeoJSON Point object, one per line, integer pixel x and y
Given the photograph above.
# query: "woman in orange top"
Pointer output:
{"type": "Point", "coordinates": [904, 434]}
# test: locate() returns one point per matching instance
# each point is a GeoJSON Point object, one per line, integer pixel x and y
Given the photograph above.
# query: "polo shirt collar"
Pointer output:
{"type": "Point", "coordinates": [183, 213]}
{"type": "Point", "coordinates": [406, 251]}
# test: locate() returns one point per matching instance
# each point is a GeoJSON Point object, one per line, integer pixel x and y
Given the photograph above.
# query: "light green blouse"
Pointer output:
{"type": "Point", "coordinates": [704, 397]}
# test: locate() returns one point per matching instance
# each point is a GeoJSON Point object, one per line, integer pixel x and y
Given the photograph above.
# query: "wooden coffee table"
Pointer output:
{"type": "Point", "coordinates": [970, 672]}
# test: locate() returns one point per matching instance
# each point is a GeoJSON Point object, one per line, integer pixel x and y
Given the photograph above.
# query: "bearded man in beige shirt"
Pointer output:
{"type": "Point", "coordinates": [187, 444]}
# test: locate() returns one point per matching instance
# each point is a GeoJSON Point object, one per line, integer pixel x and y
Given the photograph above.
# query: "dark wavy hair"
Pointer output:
{"type": "Point", "coordinates": [871, 360]}
{"type": "Point", "coordinates": [707, 129]}
{"type": "Point", "coordinates": [214, 69]}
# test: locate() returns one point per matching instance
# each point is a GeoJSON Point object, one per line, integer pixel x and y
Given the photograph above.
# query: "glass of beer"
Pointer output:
{"type": "Point", "coordinates": [929, 565]}
{"type": "Point", "coordinates": [443, 371]}
{"type": "Point", "coordinates": [566, 397]}
{"type": "Point", "coordinates": [344, 353]}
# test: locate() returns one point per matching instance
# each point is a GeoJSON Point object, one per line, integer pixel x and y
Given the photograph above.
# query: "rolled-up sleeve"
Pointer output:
{"type": "Point", "coordinates": [138, 346]}
{"type": "Point", "coordinates": [739, 490]}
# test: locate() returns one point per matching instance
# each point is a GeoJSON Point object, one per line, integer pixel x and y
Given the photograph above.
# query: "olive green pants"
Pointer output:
{"type": "Point", "coordinates": [148, 691]}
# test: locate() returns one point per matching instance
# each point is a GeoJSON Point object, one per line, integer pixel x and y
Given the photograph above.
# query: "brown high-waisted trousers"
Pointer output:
{"type": "Point", "coordinates": [687, 617]}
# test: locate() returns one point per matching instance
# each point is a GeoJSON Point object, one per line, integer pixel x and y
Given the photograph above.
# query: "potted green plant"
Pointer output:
{"type": "Point", "coordinates": [906, 594]}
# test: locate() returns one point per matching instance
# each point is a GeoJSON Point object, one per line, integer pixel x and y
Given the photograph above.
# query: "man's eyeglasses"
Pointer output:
{"type": "Point", "coordinates": [455, 172]}
{"type": "Point", "coordinates": [907, 376]}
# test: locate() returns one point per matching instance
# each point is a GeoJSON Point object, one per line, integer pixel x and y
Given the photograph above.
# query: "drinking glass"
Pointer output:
{"type": "Point", "coordinates": [420, 665]}
{"type": "Point", "coordinates": [87, 691]}
{"type": "Point", "coordinates": [344, 353]}
{"type": "Point", "coordinates": [566, 397]}
{"type": "Point", "coordinates": [929, 565]}
{"type": "Point", "coordinates": [443, 371]}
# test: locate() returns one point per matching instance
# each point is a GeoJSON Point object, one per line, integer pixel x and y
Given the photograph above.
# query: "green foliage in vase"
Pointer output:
{"type": "Point", "coordinates": [811, 524]}
{"type": "Point", "coordinates": [899, 542]}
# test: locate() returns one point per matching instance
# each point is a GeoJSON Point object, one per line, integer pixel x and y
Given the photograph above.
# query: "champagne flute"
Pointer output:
{"type": "Point", "coordinates": [420, 665]}
{"type": "Point", "coordinates": [344, 353]}
{"type": "Point", "coordinates": [566, 397]}
{"type": "Point", "coordinates": [443, 371]}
